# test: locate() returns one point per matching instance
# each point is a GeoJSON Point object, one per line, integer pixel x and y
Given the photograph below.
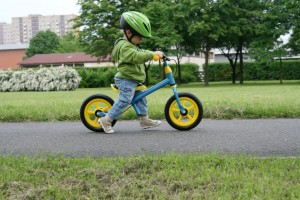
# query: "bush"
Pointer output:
{"type": "Point", "coordinates": [43, 79]}
{"type": "Point", "coordinates": [256, 71]}
{"type": "Point", "coordinates": [96, 77]}
{"type": "Point", "coordinates": [104, 76]}
{"type": "Point", "coordinates": [189, 73]}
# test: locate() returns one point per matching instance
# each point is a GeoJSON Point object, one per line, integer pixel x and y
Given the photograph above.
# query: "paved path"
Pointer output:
{"type": "Point", "coordinates": [267, 137]}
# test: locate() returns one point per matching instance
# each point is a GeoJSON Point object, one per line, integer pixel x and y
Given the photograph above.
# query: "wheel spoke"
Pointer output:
{"type": "Point", "coordinates": [105, 108]}
{"type": "Point", "coordinates": [95, 120]}
{"type": "Point", "coordinates": [190, 117]}
{"type": "Point", "coordinates": [190, 108]}
{"type": "Point", "coordinates": [91, 112]}
{"type": "Point", "coordinates": [179, 118]}
{"type": "Point", "coordinates": [98, 107]}
{"type": "Point", "coordinates": [176, 110]}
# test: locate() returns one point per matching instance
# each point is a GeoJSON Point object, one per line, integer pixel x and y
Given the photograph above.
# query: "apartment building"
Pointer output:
{"type": "Point", "coordinates": [22, 29]}
{"type": "Point", "coordinates": [5, 33]}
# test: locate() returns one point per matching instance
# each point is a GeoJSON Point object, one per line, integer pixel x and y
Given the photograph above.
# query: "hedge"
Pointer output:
{"type": "Point", "coordinates": [256, 71]}
{"type": "Point", "coordinates": [104, 76]}
{"type": "Point", "coordinates": [42, 79]}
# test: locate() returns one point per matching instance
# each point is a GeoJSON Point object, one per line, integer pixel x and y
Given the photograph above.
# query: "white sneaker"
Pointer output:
{"type": "Point", "coordinates": [106, 125]}
{"type": "Point", "coordinates": [149, 123]}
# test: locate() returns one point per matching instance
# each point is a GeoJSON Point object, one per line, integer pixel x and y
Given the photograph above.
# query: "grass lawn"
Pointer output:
{"type": "Point", "coordinates": [220, 101]}
{"type": "Point", "coordinates": [168, 176]}
{"type": "Point", "coordinates": [150, 177]}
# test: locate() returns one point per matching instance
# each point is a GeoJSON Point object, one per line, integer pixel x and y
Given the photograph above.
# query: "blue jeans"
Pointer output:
{"type": "Point", "coordinates": [126, 93]}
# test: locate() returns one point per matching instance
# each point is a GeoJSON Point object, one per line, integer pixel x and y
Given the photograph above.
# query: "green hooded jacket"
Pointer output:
{"type": "Point", "coordinates": [130, 60]}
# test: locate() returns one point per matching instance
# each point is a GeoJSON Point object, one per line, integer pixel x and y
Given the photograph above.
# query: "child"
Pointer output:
{"type": "Point", "coordinates": [131, 71]}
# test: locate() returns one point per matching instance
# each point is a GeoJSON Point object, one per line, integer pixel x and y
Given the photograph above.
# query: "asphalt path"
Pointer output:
{"type": "Point", "coordinates": [263, 137]}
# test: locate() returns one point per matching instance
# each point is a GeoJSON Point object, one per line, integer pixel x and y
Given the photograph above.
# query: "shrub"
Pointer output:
{"type": "Point", "coordinates": [43, 79]}
{"type": "Point", "coordinates": [96, 77]}
{"type": "Point", "coordinates": [256, 71]}
{"type": "Point", "coordinates": [104, 76]}
{"type": "Point", "coordinates": [189, 73]}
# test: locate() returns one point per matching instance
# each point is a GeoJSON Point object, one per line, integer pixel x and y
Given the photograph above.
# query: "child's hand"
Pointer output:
{"type": "Point", "coordinates": [159, 53]}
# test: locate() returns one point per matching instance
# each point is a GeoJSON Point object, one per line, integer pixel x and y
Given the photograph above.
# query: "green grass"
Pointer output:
{"type": "Point", "coordinates": [168, 176]}
{"type": "Point", "coordinates": [265, 99]}
{"type": "Point", "coordinates": [150, 177]}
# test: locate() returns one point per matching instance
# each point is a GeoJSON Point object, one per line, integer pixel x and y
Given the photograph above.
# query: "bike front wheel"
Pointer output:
{"type": "Point", "coordinates": [188, 120]}
{"type": "Point", "coordinates": [93, 108]}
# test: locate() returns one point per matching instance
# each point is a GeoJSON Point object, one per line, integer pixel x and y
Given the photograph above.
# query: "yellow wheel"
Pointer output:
{"type": "Point", "coordinates": [93, 108]}
{"type": "Point", "coordinates": [188, 120]}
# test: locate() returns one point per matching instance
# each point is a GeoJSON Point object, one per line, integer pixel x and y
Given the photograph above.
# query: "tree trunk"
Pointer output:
{"type": "Point", "coordinates": [161, 70]}
{"type": "Point", "coordinates": [281, 71]}
{"type": "Point", "coordinates": [233, 67]}
{"type": "Point", "coordinates": [206, 78]}
{"type": "Point", "coordinates": [179, 70]}
{"type": "Point", "coordinates": [241, 67]}
{"type": "Point", "coordinates": [147, 75]}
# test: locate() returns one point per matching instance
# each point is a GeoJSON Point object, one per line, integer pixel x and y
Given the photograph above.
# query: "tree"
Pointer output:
{"type": "Point", "coordinates": [294, 13]}
{"type": "Point", "coordinates": [294, 42]}
{"type": "Point", "coordinates": [277, 20]}
{"type": "Point", "coordinates": [244, 22]}
{"type": "Point", "coordinates": [204, 29]}
{"type": "Point", "coordinates": [165, 34]}
{"type": "Point", "coordinates": [267, 54]}
{"type": "Point", "coordinates": [43, 42]}
{"type": "Point", "coordinates": [69, 43]}
{"type": "Point", "coordinates": [99, 22]}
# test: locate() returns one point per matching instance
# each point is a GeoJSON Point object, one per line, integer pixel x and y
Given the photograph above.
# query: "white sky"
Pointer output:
{"type": "Point", "coordinates": [22, 8]}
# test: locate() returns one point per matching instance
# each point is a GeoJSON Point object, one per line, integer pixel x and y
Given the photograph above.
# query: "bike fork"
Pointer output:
{"type": "Point", "coordinates": [183, 111]}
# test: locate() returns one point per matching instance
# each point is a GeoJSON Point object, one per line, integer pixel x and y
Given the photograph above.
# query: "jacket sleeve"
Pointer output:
{"type": "Point", "coordinates": [131, 55]}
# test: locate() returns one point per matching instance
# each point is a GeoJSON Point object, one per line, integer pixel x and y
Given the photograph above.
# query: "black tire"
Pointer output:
{"type": "Point", "coordinates": [187, 121]}
{"type": "Point", "coordinates": [96, 103]}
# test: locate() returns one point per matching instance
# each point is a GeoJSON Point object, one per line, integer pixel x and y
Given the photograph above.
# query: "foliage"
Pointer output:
{"type": "Point", "coordinates": [100, 24]}
{"type": "Point", "coordinates": [44, 42]}
{"type": "Point", "coordinates": [96, 77]}
{"type": "Point", "coordinates": [44, 79]}
{"type": "Point", "coordinates": [188, 26]}
{"type": "Point", "coordinates": [189, 73]}
{"type": "Point", "coordinates": [257, 71]}
{"type": "Point", "coordinates": [69, 44]}
{"type": "Point", "coordinates": [294, 42]}
{"type": "Point", "coordinates": [292, 14]}
{"type": "Point", "coordinates": [200, 26]}
{"type": "Point", "coordinates": [104, 76]}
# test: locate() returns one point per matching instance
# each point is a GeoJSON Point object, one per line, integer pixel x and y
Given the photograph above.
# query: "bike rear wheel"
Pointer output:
{"type": "Point", "coordinates": [93, 108]}
{"type": "Point", "coordinates": [193, 115]}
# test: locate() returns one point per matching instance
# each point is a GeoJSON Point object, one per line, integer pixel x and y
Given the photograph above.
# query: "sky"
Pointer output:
{"type": "Point", "coordinates": [23, 8]}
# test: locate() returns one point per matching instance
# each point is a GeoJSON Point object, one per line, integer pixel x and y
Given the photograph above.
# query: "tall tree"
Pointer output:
{"type": "Point", "coordinates": [205, 28]}
{"type": "Point", "coordinates": [43, 42]}
{"type": "Point", "coordinates": [244, 23]}
{"type": "Point", "coordinates": [294, 19]}
{"type": "Point", "coordinates": [277, 20]}
{"type": "Point", "coordinates": [165, 34]}
{"type": "Point", "coordinates": [69, 43]}
{"type": "Point", "coordinates": [99, 22]}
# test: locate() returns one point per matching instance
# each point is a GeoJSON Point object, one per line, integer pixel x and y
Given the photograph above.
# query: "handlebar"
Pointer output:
{"type": "Point", "coordinates": [164, 58]}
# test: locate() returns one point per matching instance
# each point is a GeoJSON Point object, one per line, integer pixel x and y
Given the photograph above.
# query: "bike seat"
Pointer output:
{"type": "Point", "coordinates": [139, 87]}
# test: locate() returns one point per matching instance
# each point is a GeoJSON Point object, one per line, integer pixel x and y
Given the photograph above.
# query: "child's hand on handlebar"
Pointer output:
{"type": "Point", "coordinates": [158, 55]}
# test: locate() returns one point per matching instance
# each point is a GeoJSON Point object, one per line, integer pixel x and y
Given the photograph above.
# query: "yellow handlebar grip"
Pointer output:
{"type": "Point", "coordinates": [156, 57]}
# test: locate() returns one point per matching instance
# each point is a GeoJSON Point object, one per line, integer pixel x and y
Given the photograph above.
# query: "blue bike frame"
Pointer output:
{"type": "Point", "coordinates": [168, 81]}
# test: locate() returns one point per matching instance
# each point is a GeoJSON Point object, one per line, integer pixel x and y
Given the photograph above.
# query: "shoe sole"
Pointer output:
{"type": "Point", "coordinates": [99, 121]}
{"type": "Point", "coordinates": [146, 127]}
